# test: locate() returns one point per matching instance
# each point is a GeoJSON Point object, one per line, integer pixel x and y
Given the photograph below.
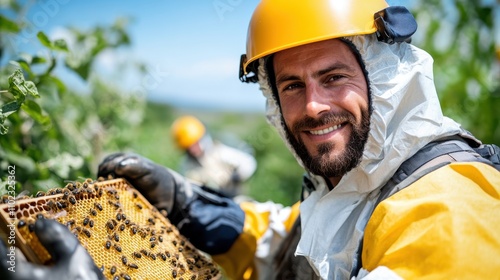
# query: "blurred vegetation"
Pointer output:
{"type": "Point", "coordinates": [53, 133]}
{"type": "Point", "coordinates": [460, 35]}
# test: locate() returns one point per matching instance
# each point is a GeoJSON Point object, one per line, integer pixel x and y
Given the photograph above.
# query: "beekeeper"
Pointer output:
{"type": "Point", "coordinates": [354, 101]}
{"type": "Point", "coordinates": [208, 161]}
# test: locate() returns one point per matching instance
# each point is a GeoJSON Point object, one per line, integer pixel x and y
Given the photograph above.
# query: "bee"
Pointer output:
{"type": "Point", "coordinates": [136, 255]}
{"type": "Point", "coordinates": [163, 256]}
{"type": "Point", "coordinates": [58, 191]}
{"type": "Point", "coordinates": [61, 204]}
{"type": "Point", "coordinates": [85, 185]}
{"type": "Point", "coordinates": [160, 238]}
{"type": "Point", "coordinates": [126, 277]}
{"type": "Point", "coordinates": [116, 277]}
{"type": "Point", "coordinates": [127, 222]}
{"type": "Point", "coordinates": [153, 244]}
{"type": "Point", "coordinates": [138, 206]}
{"type": "Point", "coordinates": [144, 252]}
{"type": "Point", "coordinates": [72, 199]}
{"type": "Point", "coordinates": [133, 265]}
{"type": "Point", "coordinates": [124, 216]}
{"type": "Point", "coordinates": [108, 244]}
{"type": "Point", "coordinates": [111, 192]}
{"type": "Point", "coordinates": [40, 194]}
{"type": "Point", "coordinates": [134, 230]}
{"type": "Point", "coordinates": [134, 194]}
{"type": "Point", "coordinates": [122, 227]}
{"type": "Point", "coordinates": [115, 204]}
{"type": "Point", "coordinates": [91, 223]}
{"type": "Point", "coordinates": [119, 217]}
{"type": "Point", "coordinates": [124, 260]}
{"type": "Point", "coordinates": [101, 268]}
{"type": "Point", "coordinates": [112, 270]}
{"type": "Point", "coordinates": [98, 206]}
{"type": "Point", "coordinates": [152, 239]}
{"type": "Point", "coordinates": [152, 256]}
{"type": "Point", "coordinates": [86, 232]}
{"type": "Point", "coordinates": [86, 221]}
{"type": "Point", "coordinates": [117, 248]}
{"type": "Point", "coordinates": [70, 186]}
{"type": "Point", "coordinates": [93, 212]}
{"type": "Point", "coordinates": [110, 225]}
{"type": "Point", "coordinates": [76, 191]}
{"type": "Point", "coordinates": [181, 249]}
{"type": "Point", "coordinates": [70, 223]}
{"type": "Point", "coordinates": [174, 273]}
{"type": "Point", "coordinates": [116, 237]}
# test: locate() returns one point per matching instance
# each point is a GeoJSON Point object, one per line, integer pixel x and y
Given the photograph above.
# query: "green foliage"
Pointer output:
{"type": "Point", "coordinates": [51, 133]}
{"type": "Point", "coordinates": [460, 37]}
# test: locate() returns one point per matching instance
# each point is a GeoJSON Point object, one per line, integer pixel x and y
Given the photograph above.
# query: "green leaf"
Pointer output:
{"type": "Point", "coordinates": [44, 39]}
{"type": "Point", "coordinates": [8, 25]}
{"type": "Point", "coordinates": [20, 88]}
{"type": "Point", "coordinates": [38, 59]}
{"type": "Point", "coordinates": [33, 110]}
{"type": "Point", "coordinates": [60, 45]}
{"type": "Point", "coordinates": [10, 108]}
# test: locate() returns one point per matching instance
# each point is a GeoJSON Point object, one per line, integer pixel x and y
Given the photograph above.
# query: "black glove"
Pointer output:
{"type": "Point", "coordinates": [162, 187]}
{"type": "Point", "coordinates": [210, 220]}
{"type": "Point", "coordinates": [71, 260]}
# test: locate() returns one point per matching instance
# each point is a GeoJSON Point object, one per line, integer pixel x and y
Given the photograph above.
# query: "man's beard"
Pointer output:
{"type": "Point", "coordinates": [322, 164]}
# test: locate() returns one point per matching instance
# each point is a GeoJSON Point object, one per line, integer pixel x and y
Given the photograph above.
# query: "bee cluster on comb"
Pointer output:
{"type": "Point", "coordinates": [125, 235]}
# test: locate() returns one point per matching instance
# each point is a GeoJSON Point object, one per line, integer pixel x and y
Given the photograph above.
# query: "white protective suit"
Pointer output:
{"type": "Point", "coordinates": [406, 116]}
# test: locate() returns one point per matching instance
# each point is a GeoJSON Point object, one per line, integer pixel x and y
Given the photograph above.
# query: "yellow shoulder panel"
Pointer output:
{"type": "Point", "coordinates": [444, 226]}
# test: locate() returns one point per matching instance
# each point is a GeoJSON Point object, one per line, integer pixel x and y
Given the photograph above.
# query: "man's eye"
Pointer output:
{"type": "Point", "coordinates": [291, 87]}
{"type": "Point", "coordinates": [334, 78]}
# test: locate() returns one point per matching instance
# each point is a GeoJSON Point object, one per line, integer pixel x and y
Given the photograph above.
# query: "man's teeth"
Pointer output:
{"type": "Point", "coordinates": [325, 131]}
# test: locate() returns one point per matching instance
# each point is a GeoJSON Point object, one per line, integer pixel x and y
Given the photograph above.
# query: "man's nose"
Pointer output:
{"type": "Point", "coordinates": [317, 100]}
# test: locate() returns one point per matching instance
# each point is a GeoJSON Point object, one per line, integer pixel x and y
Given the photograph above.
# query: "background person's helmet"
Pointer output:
{"type": "Point", "coordinates": [187, 130]}
{"type": "Point", "coordinates": [277, 25]}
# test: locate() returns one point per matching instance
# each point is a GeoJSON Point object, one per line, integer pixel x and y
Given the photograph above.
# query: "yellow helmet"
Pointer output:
{"type": "Point", "coordinates": [187, 130]}
{"type": "Point", "coordinates": [281, 24]}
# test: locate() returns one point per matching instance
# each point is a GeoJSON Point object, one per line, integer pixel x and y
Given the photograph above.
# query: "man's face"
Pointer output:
{"type": "Point", "coordinates": [323, 96]}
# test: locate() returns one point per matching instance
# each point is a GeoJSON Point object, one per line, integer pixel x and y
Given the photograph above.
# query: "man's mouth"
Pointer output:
{"type": "Point", "coordinates": [325, 130]}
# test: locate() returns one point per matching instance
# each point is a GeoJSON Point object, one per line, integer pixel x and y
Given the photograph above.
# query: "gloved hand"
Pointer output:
{"type": "Point", "coordinates": [71, 260]}
{"type": "Point", "coordinates": [210, 220]}
{"type": "Point", "coordinates": [163, 188]}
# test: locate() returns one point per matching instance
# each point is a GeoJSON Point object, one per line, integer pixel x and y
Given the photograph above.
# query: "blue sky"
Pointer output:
{"type": "Point", "coordinates": [192, 48]}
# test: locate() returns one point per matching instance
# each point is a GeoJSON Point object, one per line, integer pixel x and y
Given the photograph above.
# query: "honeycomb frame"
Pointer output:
{"type": "Point", "coordinates": [125, 235]}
